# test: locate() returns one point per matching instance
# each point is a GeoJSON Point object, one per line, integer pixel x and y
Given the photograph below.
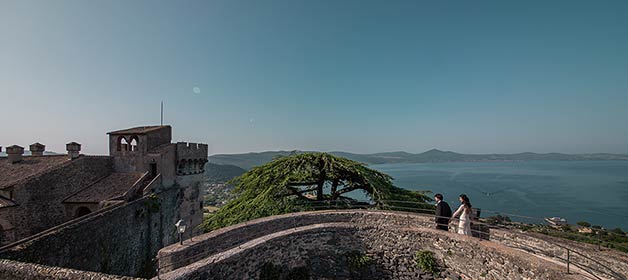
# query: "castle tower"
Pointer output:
{"type": "Point", "coordinates": [143, 149]}
{"type": "Point", "coordinates": [180, 167]}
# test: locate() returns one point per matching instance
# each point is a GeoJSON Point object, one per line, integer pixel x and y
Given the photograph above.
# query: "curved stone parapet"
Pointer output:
{"type": "Point", "coordinates": [175, 256]}
{"type": "Point", "coordinates": [318, 242]}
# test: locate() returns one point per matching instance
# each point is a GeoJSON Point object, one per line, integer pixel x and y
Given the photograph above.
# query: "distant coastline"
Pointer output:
{"type": "Point", "coordinates": [249, 160]}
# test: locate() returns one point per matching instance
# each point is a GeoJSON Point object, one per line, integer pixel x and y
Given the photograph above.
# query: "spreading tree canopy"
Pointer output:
{"type": "Point", "coordinates": [278, 186]}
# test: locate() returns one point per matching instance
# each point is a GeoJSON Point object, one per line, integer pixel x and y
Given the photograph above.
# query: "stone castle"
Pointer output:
{"type": "Point", "coordinates": [101, 213]}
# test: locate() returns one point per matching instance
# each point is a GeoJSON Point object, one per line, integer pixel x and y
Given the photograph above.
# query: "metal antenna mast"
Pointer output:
{"type": "Point", "coordinates": [162, 113]}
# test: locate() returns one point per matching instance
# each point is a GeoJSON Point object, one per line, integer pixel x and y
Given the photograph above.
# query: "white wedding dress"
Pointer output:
{"type": "Point", "coordinates": [464, 226]}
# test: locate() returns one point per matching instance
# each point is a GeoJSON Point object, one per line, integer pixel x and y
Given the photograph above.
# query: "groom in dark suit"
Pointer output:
{"type": "Point", "coordinates": [443, 213]}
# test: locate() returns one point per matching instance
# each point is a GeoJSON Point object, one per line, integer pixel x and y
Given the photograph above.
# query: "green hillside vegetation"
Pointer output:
{"type": "Point", "coordinates": [300, 181]}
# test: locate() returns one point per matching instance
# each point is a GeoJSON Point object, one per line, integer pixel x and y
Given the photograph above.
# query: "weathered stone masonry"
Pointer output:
{"type": "Point", "coordinates": [391, 239]}
{"type": "Point", "coordinates": [11, 270]}
{"type": "Point", "coordinates": [40, 197]}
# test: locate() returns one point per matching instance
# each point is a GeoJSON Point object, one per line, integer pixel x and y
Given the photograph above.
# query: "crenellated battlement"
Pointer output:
{"type": "Point", "coordinates": [185, 149]}
{"type": "Point", "coordinates": [191, 158]}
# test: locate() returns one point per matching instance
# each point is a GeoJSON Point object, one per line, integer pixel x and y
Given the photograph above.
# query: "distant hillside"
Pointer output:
{"type": "Point", "coordinates": [221, 173]}
{"type": "Point", "coordinates": [249, 160]}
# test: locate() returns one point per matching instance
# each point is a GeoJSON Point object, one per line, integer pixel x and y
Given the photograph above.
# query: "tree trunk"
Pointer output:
{"type": "Point", "coordinates": [334, 188]}
{"type": "Point", "coordinates": [319, 187]}
{"type": "Point", "coordinates": [319, 190]}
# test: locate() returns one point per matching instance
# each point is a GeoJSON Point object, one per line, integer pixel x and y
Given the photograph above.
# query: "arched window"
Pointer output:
{"type": "Point", "coordinates": [182, 166]}
{"type": "Point", "coordinates": [82, 211]}
{"type": "Point", "coordinates": [133, 145]}
{"type": "Point", "coordinates": [123, 145]}
{"type": "Point", "coordinates": [188, 167]}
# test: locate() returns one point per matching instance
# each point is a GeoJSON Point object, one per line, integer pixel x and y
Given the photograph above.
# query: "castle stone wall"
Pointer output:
{"type": "Point", "coordinates": [123, 239]}
{"type": "Point", "coordinates": [191, 202]}
{"type": "Point", "coordinates": [159, 137]}
{"type": "Point", "coordinates": [31, 215]}
{"type": "Point", "coordinates": [166, 163]}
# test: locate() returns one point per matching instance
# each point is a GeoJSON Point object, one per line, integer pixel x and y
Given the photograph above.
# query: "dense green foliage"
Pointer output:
{"type": "Point", "coordinates": [288, 182]}
{"type": "Point", "coordinates": [426, 261]}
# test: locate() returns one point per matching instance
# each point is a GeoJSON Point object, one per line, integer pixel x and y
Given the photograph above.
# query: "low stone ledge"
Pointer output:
{"type": "Point", "coordinates": [14, 270]}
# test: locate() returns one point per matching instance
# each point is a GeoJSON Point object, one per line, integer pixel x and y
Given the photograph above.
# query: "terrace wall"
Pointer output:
{"type": "Point", "coordinates": [321, 244]}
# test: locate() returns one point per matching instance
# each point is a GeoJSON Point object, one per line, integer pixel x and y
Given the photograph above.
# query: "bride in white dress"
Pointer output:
{"type": "Point", "coordinates": [464, 211]}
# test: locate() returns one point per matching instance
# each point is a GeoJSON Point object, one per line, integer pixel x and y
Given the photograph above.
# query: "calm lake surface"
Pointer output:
{"type": "Point", "coordinates": [593, 191]}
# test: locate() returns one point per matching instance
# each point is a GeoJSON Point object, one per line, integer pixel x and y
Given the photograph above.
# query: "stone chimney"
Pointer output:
{"type": "Point", "coordinates": [37, 149]}
{"type": "Point", "coordinates": [73, 149]}
{"type": "Point", "coordinates": [14, 153]}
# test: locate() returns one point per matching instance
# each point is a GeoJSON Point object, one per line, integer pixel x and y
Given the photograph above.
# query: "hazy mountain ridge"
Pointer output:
{"type": "Point", "coordinates": [249, 160]}
{"type": "Point", "coordinates": [221, 173]}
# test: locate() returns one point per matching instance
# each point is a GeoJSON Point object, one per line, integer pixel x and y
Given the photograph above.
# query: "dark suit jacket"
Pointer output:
{"type": "Point", "coordinates": [443, 213]}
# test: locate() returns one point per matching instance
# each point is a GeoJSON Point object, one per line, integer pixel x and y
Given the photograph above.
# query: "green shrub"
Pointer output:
{"type": "Point", "coordinates": [357, 260]}
{"type": "Point", "coordinates": [583, 224]}
{"type": "Point", "coordinates": [426, 261]}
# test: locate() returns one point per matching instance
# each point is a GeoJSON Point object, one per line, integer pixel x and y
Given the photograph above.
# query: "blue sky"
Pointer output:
{"type": "Point", "coordinates": [358, 76]}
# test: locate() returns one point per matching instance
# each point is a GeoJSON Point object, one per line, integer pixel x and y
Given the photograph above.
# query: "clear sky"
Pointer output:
{"type": "Point", "coordinates": [357, 76]}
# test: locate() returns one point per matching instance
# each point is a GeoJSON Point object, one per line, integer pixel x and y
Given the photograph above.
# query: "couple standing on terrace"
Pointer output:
{"type": "Point", "coordinates": [444, 215]}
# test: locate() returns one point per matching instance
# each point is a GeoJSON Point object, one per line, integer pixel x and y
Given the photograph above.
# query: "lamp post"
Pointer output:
{"type": "Point", "coordinates": [181, 229]}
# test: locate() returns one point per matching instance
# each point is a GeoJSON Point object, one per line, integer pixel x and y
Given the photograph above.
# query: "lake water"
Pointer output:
{"type": "Point", "coordinates": [593, 191]}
